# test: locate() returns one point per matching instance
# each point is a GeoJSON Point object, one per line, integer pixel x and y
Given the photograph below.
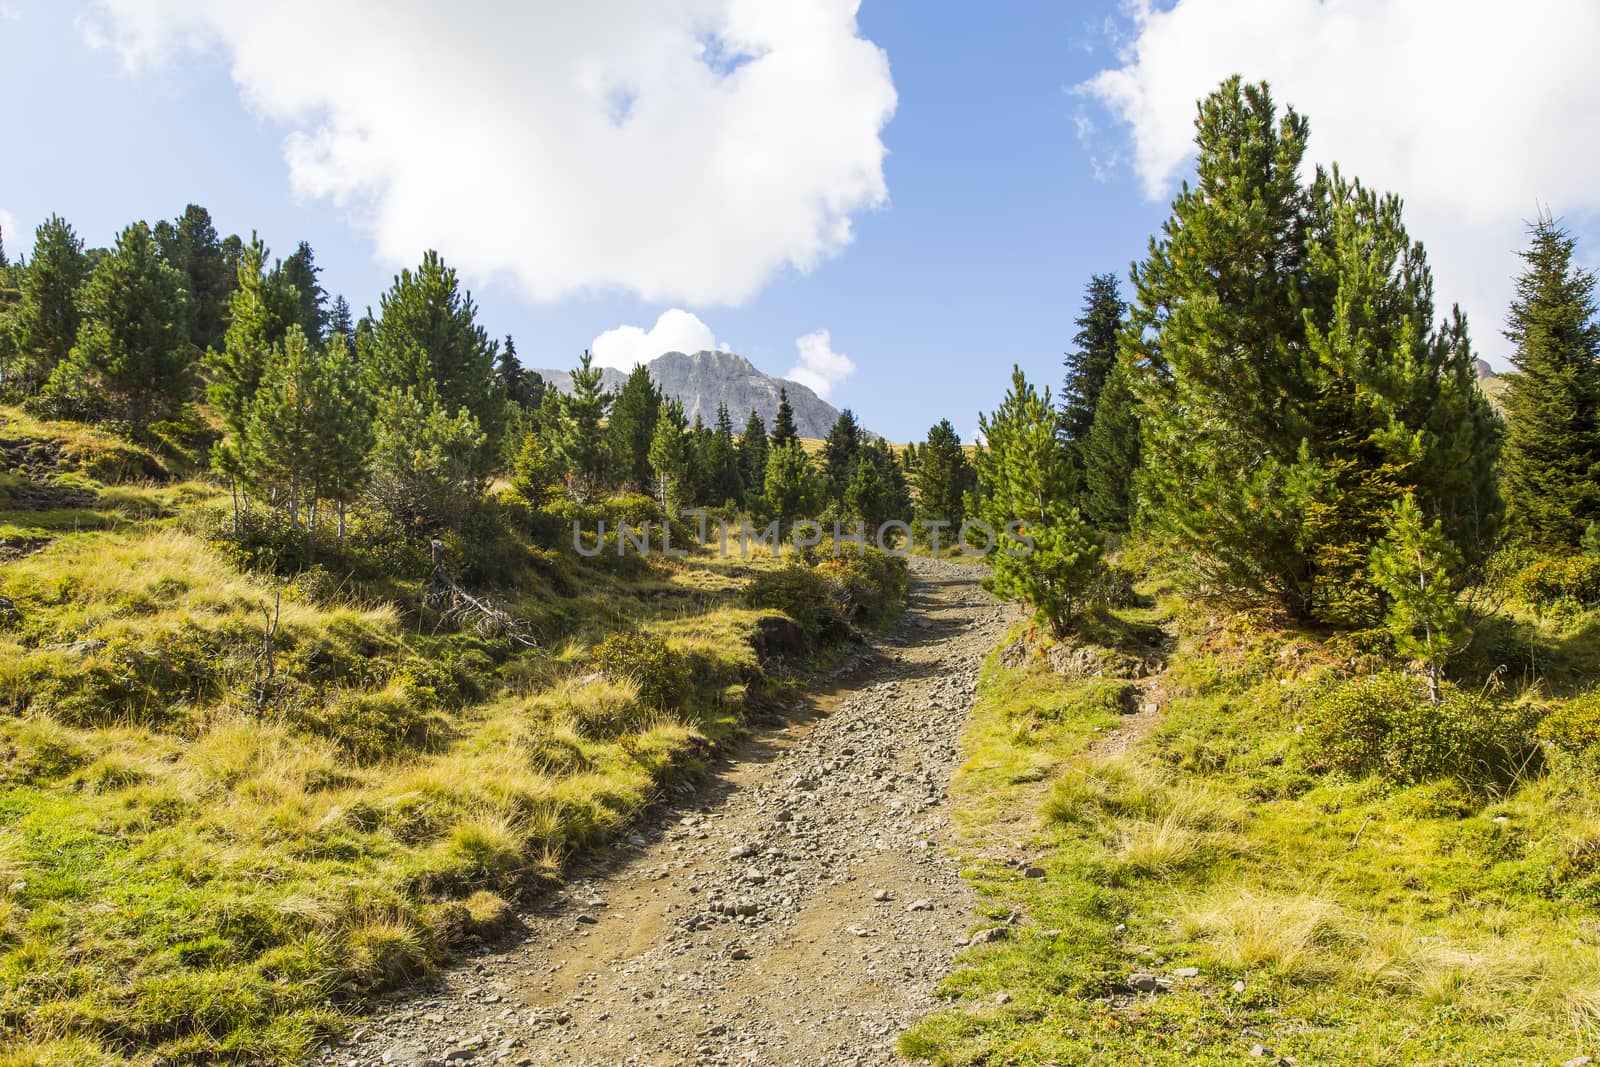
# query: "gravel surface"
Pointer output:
{"type": "Point", "coordinates": [797, 908]}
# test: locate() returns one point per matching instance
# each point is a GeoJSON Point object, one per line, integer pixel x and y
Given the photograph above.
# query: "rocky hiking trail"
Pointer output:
{"type": "Point", "coordinates": [798, 907]}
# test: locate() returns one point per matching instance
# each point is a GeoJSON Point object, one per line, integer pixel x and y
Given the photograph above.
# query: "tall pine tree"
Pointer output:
{"type": "Point", "coordinates": [841, 451]}
{"type": "Point", "coordinates": [428, 338]}
{"type": "Point", "coordinates": [191, 245]}
{"type": "Point", "coordinates": [631, 428]}
{"type": "Point", "coordinates": [1110, 455]}
{"type": "Point", "coordinates": [133, 359]}
{"type": "Point", "coordinates": [580, 441]}
{"type": "Point", "coordinates": [943, 477]}
{"type": "Point", "coordinates": [1293, 381]}
{"type": "Point", "coordinates": [1552, 454]}
{"type": "Point", "coordinates": [301, 271]}
{"type": "Point", "coordinates": [46, 323]}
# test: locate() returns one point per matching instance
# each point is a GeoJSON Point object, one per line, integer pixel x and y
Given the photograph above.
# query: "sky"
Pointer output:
{"type": "Point", "coordinates": [892, 202]}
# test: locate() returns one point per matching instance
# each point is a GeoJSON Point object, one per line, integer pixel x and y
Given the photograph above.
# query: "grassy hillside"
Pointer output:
{"type": "Point", "coordinates": [236, 799]}
{"type": "Point", "coordinates": [1292, 861]}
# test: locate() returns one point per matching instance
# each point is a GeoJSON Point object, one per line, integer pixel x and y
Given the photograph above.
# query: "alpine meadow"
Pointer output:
{"type": "Point", "coordinates": [1219, 685]}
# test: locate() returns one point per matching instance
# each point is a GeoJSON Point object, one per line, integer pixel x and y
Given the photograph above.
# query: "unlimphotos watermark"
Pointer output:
{"type": "Point", "coordinates": [973, 537]}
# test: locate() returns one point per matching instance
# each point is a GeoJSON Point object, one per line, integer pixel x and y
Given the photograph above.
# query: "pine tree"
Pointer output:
{"type": "Point", "coordinates": [841, 451]}
{"type": "Point", "coordinates": [669, 455]}
{"type": "Point", "coordinates": [753, 456]}
{"type": "Point", "coordinates": [791, 488]}
{"type": "Point", "coordinates": [5, 260]}
{"type": "Point", "coordinates": [261, 310]}
{"type": "Point", "coordinates": [534, 471]}
{"type": "Point", "coordinates": [943, 477]}
{"type": "Point", "coordinates": [521, 386]}
{"type": "Point", "coordinates": [1111, 454]}
{"type": "Point", "coordinates": [783, 429]}
{"type": "Point", "coordinates": [46, 320]}
{"type": "Point", "coordinates": [632, 427]}
{"type": "Point", "coordinates": [280, 450]}
{"type": "Point", "coordinates": [1028, 469]}
{"type": "Point", "coordinates": [1088, 367]}
{"type": "Point", "coordinates": [580, 442]}
{"type": "Point", "coordinates": [1292, 382]}
{"type": "Point", "coordinates": [191, 245]}
{"type": "Point", "coordinates": [132, 358]}
{"type": "Point", "coordinates": [869, 497]}
{"type": "Point", "coordinates": [342, 428]}
{"type": "Point", "coordinates": [1418, 571]}
{"type": "Point", "coordinates": [301, 271]}
{"type": "Point", "coordinates": [428, 338]}
{"type": "Point", "coordinates": [1552, 454]}
{"type": "Point", "coordinates": [426, 466]}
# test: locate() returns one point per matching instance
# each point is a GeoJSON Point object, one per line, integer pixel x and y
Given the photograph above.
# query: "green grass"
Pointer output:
{"type": "Point", "coordinates": [1331, 920]}
{"type": "Point", "coordinates": [202, 860]}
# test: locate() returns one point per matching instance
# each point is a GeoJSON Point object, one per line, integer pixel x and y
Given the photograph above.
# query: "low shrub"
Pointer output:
{"type": "Point", "coordinates": [1549, 582]}
{"type": "Point", "coordinates": [369, 726]}
{"type": "Point", "coordinates": [660, 673]}
{"type": "Point", "coordinates": [1383, 724]}
{"type": "Point", "coordinates": [1574, 726]}
{"type": "Point", "coordinates": [831, 598]}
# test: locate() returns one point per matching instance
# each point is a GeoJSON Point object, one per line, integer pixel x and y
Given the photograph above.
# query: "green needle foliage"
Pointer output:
{"type": "Point", "coordinates": [1419, 573]}
{"type": "Point", "coordinates": [46, 321]}
{"type": "Point", "coordinates": [1111, 454]}
{"type": "Point", "coordinates": [1552, 460]}
{"type": "Point", "coordinates": [783, 428]}
{"type": "Point", "coordinates": [1028, 469]}
{"type": "Point", "coordinates": [943, 476]}
{"type": "Point", "coordinates": [132, 359]}
{"type": "Point", "coordinates": [1090, 365]}
{"type": "Point", "coordinates": [1292, 378]}
{"type": "Point", "coordinates": [632, 426]}
{"type": "Point", "coordinates": [753, 455]}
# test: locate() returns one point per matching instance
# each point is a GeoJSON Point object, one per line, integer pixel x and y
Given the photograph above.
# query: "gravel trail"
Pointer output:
{"type": "Point", "coordinates": [796, 908]}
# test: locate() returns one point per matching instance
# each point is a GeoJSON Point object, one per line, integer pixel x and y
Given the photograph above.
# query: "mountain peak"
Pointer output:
{"type": "Point", "coordinates": [701, 381]}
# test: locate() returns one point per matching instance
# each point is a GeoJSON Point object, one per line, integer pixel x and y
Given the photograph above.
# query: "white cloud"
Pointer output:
{"type": "Point", "coordinates": [1477, 113]}
{"type": "Point", "coordinates": [686, 150]}
{"type": "Point", "coordinates": [820, 368]}
{"type": "Point", "coordinates": [675, 330]}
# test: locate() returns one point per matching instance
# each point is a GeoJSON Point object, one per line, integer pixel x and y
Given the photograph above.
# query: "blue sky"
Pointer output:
{"type": "Point", "coordinates": [1001, 191]}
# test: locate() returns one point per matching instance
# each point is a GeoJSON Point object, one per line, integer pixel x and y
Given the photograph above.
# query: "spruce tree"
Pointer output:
{"type": "Point", "coordinates": [534, 471]}
{"type": "Point", "coordinates": [1032, 490]}
{"type": "Point", "coordinates": [841, 451]}
{"type": "Point", "coordinates": [521, 386]}
{"type": "Point", "coordinates": [753, 455]}
{"type": "Point", "coordinates": [783, 429]}
{"type": "Point", "coordinates": [1099, 327]}
{"type": "Point", "coordinates": [723, 480]}
{"type": "Point", "coordinates": [46, 320]}
{"type": "Point", "coordinates": [428, 338]}
{"type": "Point", "coordinates": [580, 442]}
{"type": "Point", "coordinates": [340, 320]}
{"type": "Point", "coordinates": [1552, 453]}
{"type": "Point", "coordinates": [1110, 455]}
{"type": "Point", "coordinates": [1291, 378]}
{"type": "Point", "coordinates": [301, 271]}
{"type": "Point", "coordinates": [191, 245]}
{"type": "Point", "coordinates": [632, 426]}
{"type": "Point", "coordinates": [132, 358]}
{"type": "Point", "coordinates": [943, 477]}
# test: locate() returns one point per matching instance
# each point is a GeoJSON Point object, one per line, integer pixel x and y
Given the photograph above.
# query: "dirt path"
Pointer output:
{"type": "Point", "coordinates": [798, 909]}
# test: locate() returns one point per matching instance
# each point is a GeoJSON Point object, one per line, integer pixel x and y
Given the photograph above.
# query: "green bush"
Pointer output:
{"type": "Point", "coordinates": [1574, 726]}
{"type": "Point", "coordinates": [660, 672]}
{"type": "Point", "coordinates": [1383, 724]}
{"type": "Point", "coordinates": [830, 599]}
{"type": "Point", "coordinates": [805, 595]}
{"type": "Point", "coordinates": [1545, 582]}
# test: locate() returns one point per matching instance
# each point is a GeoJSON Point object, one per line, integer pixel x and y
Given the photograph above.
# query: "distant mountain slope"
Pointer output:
{"type": "Point", "coordinates": [705, 379]}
